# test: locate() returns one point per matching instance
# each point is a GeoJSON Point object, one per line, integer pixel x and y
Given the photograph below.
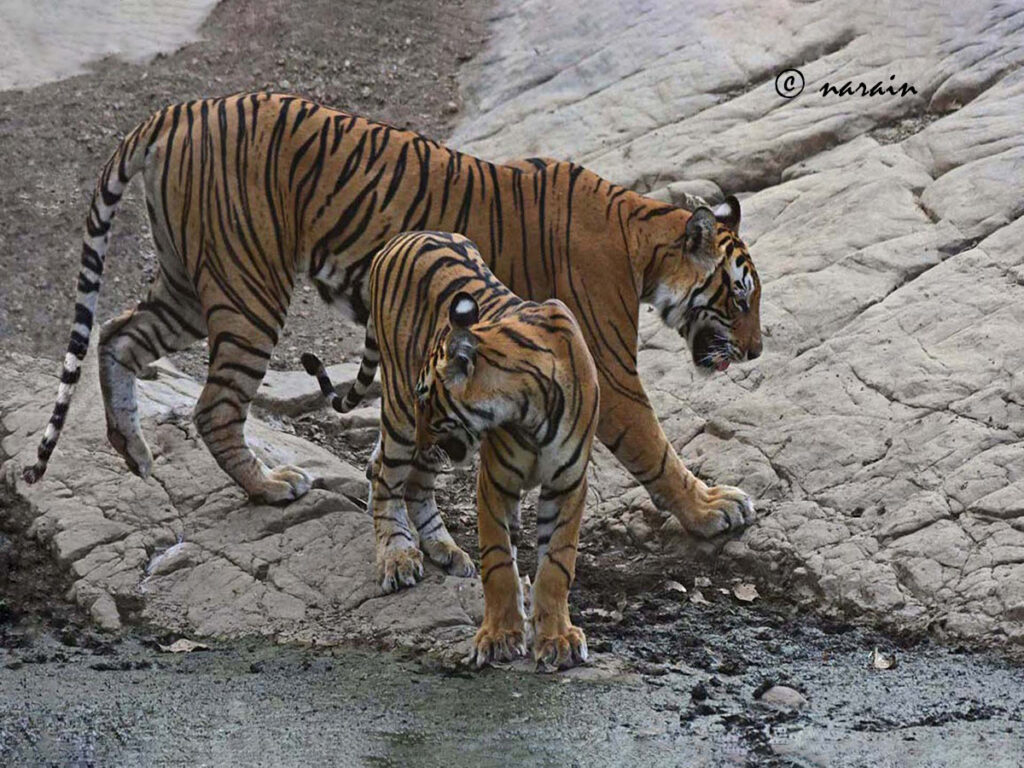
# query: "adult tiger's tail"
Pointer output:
{"type": "Point", "coordinates": [127, 160]}
{"type": "Point", "coordinates": [367, 370]}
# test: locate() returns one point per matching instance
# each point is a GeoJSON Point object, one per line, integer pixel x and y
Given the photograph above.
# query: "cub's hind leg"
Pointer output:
{"type": "Point", "coordinates": [168, 320]}
{"type": "Point", "coordinates": [435, 540]}
{"type": "Point", "coordinates": [240, 348]}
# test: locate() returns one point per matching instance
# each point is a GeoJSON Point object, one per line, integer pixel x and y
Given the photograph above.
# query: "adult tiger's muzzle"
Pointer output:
{"type": "Point", "coordinates": [713, 350]}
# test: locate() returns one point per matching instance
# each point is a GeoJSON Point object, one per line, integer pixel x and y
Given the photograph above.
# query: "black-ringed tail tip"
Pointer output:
{"type": "Point", "coordinates": [312, 363]}
{"type": "Point", "coordinates": [358, 388]}
{"type": "Point", "coordinates": [31, 474]}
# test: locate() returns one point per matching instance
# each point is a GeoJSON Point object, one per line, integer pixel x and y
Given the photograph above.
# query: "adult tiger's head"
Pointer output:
{"type": "Point", "coordinates": [706, 288]}
{"type": "Point", "coordinates": [454, 405]}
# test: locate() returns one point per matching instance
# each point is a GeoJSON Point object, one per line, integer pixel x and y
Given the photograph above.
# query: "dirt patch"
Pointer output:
{"type": "Point", "coordinates": [398, 66]}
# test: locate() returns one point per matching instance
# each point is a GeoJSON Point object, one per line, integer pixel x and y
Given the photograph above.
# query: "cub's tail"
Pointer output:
{"type": "Point", "coordinates": [127, 160]}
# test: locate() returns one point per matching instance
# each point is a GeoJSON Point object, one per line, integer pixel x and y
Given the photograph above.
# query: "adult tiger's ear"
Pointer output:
{"type": "Point", "coordinates": [728, 213]}
{"type": "Point", "coordinates": [699, 238]}
{"type": "Point", "coordinates": [460, 360]}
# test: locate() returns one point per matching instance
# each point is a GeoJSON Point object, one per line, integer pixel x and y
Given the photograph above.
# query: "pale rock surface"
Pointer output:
{"type": "Point", "coordinates": [186, 552]}
{"type": "Point", "coordinates": [883, 429]}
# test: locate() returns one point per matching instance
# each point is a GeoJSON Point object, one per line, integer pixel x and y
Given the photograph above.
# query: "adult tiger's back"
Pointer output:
{"type": "Point", "coordinates": [244, 191]}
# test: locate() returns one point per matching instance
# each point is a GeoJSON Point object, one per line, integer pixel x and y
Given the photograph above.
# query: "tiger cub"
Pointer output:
{"type": "Point", "coordinates": [467, 365]}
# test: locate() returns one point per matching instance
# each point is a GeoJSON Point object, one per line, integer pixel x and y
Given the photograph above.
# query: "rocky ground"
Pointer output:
{"type": "Point", "coordinates": [682, 673]}
{"type": "Point", "coordinates": [880, 432]}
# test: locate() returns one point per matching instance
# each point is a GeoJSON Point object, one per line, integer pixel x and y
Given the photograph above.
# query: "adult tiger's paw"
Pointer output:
{"type": "Point", "coordinates": [400, 567]}
{"type": "Point", "coordinates": [720, 508]}
{"type": "Point", "coordinates": [449, 556]}
{"type": "Point", "coordinates": [561, 651]}
{"type": "Point", "coordinates": [497, 644]}
{"type": "Point", "coordinates": [282, 485]}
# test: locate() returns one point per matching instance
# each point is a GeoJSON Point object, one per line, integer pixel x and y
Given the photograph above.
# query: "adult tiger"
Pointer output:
{"type": "Point", "coordinates": [465, 363]}
{"type": "Point", "coordinates": [244, 191]}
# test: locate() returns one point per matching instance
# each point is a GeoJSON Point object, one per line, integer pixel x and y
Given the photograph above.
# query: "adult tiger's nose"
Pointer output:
{"type": "Point", "coordinates": [754, 352]}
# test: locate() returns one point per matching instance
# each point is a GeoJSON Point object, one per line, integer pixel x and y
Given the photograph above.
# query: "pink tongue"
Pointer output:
{"type": "Point", "coordinates": [722, 365]}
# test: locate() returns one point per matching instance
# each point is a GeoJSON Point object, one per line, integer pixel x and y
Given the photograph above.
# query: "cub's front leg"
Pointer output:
{"type": "Point", "coordinates": [399, 559]}
{"type": "Point", "coordinates": [435, 540]}
{"type": "Point", "coordinates": [556, 641]}
{"type": "Point", "coordinates": [502, 635]}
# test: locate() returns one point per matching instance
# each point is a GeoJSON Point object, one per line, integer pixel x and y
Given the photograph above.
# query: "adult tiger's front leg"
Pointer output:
{"type": "Point", "coordinates": [631, 430]}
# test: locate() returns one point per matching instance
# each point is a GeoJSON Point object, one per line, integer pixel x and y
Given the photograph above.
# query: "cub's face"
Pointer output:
{"type": "Point", "coordinates": [712, 295]}
{"type": "Point", "coordinates": [450, 411]}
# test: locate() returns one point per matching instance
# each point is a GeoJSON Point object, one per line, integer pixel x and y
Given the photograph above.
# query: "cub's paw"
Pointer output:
{"type": "Point", "coordinates": [401, 567]}
{"type": "Point", "coordinates": [561, 651]}
{"type": "Point", "coordinates": [493, 644]}
{"type": "Point", "coordinates": [449, 556]}
{"type": "Point", "coordinates": [721, 508]}
{"type": "Point", "coordinates": [282, 485]}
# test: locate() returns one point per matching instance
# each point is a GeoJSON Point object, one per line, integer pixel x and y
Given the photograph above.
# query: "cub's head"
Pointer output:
{"type": "Point", "coordinates": [454, 403]}
{"type": "Point", "coordinates": [708, 290]}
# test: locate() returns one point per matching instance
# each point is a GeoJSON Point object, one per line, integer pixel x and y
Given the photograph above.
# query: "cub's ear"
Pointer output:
{"type": "Point", "coordinates": [463, 311]}
{"type": "Point", "coordinates": [699, 239]}
{"type": "Point", "coordinates": [728, 213]}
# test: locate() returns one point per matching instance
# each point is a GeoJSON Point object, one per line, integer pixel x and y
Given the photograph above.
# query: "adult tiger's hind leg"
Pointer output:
{"type": "Point", "coordinates": [239, 353]}
{"type": "Point", "coordinates": [169, 320]}
{"type": "Point", "coordinates": [435, 540]}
